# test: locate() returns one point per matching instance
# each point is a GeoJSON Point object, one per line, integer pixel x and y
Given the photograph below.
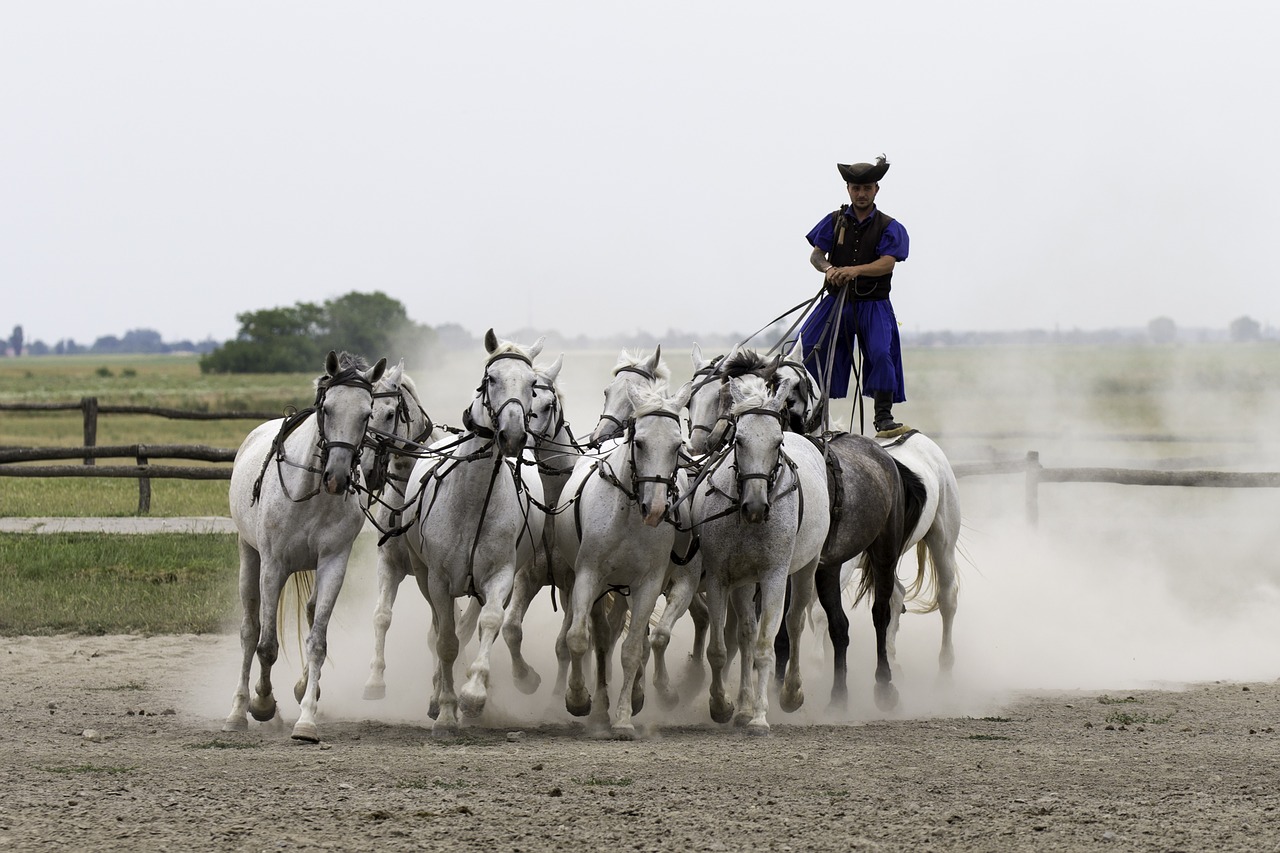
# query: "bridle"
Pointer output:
{"type": "Point", "coordinates": [382, 442]}
{"type": "Point", "coordinates": [494, 413]}
{"type": "Point", "coordinates": [626, 368]}
{"type": "Point", "coordinates": [348, 376]}
{"type": "Point", "coordinates": [806, 387]}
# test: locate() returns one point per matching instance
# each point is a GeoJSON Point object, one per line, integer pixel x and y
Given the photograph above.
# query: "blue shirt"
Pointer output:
{"type": "Point", "coordinates": [894, 241]}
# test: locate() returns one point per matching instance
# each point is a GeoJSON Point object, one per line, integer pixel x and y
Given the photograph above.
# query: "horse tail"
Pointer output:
{"type": "Point", "coordinates": [866, 582]}
{"type": "Point", "coordinates": [294, 599]}
{"type": "Point", "coordinates": [926, 582]}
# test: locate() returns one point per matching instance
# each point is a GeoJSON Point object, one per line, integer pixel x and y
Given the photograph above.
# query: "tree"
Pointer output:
{"type": "Point", "coordinates": [1244, 329]}
{"type": "Point", "coordinates": [1162, 330]}
{"type": "Point", "coordinates": [15, 341]}
{"type": "Point", "coordinates": [279, 340]}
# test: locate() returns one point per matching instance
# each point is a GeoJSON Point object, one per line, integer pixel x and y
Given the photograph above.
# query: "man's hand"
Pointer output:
{"type": "Point", "coordinates": [836, 278]}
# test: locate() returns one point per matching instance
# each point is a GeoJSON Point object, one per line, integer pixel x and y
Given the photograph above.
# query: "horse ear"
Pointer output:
{"type": "Point", "coordinates": [490, 342]}
{"type": "Point", "coordinates": [652, 363]}
{"type": "Point", "coordinates": [331, 363]}
{"type": "Point", "coordinates": [554, 370]}
{"type": "Point", "coordinates": [377, 370]}
{"type": "Point", "coordinates": [735, 390]}
{"type": "Point", "coordinates": [537, 347]}
{"type": "Point", "coordinates": [393, 375]}
{"type": "Point", "coordinates": [784, 390]}
{"type": "Point", "coordinates": [698, 361]}
{"type": "Point", "coordinates": [797, 351]}
{"type": "Point", "coordinates": [681, 399]}
{"type": "Point", "coordinates": [769, 370]}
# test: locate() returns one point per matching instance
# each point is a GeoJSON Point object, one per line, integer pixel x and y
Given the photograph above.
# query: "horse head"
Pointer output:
{"type": "Point", "coordinates": [631, 369]}
{"type": "Point", "coordinates": [804, 404]}
{"type": "Point", "coordinates": [654, 440]}
{"type": "Point", "coordinates": [758, 420]}
{"type": "Point", "coordinates": [546, 416]}
{"type": "Point", "coordinates": [397, 422]}
{"type": "Point", "coordinates": [344, 401]}
{"type": "Point", "coordinates": [505, 396]}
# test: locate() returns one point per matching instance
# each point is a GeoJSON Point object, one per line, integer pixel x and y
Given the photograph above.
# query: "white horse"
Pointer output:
{"type": "Point", "coordinates": [612, 527]}
{"type": "Point", "coordinates": [762, 515]}
{"type": "Point", "coordinates": [398, 427]}
{"type": "Point", "coordinates": [475, 521]}
{"type": "Point", "coordinates": [293, 503]}
{"type": "Point", "coordinates": [635, 371]}
{"type": "Point", "coordinates": [555, 453]}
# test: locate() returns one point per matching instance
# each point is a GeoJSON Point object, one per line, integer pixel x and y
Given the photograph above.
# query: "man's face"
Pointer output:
{"type": "Point", "coordinates": [862, 196]}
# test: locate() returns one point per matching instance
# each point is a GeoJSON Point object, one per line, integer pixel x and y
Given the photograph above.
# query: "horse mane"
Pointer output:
{"type": "Point", "coordinates": [627, 358]}
{"type": "Point", "coordinates": [651, 398]}
{"type": "Point", "coordinates": [505, 347]}
{"type": "Point", "coordinates": [755, 393]}
{"type": "Point", "coordinates": [744, 362]}
{"type": "Point", "coordinates": [348, 362]}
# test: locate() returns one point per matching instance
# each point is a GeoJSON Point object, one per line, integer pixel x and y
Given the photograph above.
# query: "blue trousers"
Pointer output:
{"type": "Point", "coordinates": [874, 326]}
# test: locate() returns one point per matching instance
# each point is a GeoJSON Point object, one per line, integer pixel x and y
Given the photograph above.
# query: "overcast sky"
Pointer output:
{"type": "Point", "coordinates": [604, 167]}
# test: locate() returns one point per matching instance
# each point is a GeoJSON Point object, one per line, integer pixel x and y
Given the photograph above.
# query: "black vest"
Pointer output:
{"type": "Point", "coordinates": [855, 243]}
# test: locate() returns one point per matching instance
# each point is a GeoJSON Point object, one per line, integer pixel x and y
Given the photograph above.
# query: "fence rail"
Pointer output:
{"type": "Point", "coordinates": [1030, 467]}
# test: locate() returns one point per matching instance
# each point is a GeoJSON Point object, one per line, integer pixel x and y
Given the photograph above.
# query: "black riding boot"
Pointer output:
{"type": "Point", "coordinates": [884, 421]}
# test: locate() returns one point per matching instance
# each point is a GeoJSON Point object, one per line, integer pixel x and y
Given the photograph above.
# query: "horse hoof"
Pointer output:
{"type": "Point", "coordinates": [528, 683]}
{"type": "Point", "coordinates": [791, 702]}
{"type": "Point", "coordinates": [262, 709]}
{"type": "Point", "coordinates": [375, 691]}
{"type": "Point", "coordinates": [579, 705]}
{"type": "Point", "coordinates": [757, 728]}
{"type": "Point", "coordinates": [444, 731]}
{"type": "Point", "coordinates": [236, 723]}
{"type": "Point", "coordinates": [471, 703]}
{"type": "Point", "coordinates": [306, 732]}
{"type": "Point", "coordinates": [741, 719]}
{"type": "Point", "coordinates": [886, 697]}
{"type": "Point", "coordinates": [721, 712]}
{"type": "Point", "coordinates": [627, 732]}
{"type": "Point", "coordinates": [433, 710]}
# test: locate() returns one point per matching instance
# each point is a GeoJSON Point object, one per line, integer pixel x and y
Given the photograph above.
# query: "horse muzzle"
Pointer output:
{"type": "Point", "coordinates": [656, 507]}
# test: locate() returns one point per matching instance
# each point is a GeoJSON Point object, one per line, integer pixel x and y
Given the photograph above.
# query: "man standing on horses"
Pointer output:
{"type": "Point", "coordinates": [856, 248]}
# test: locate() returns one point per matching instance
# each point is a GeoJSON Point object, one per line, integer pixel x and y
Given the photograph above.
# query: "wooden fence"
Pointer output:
{"type": "Point", "coordinates": [145, 471]}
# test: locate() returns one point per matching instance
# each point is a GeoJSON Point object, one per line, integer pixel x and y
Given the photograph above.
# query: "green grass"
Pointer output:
{"type": "Point", "coordinates": [92, 584]}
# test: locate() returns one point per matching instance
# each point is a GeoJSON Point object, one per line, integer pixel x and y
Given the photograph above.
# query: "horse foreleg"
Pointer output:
{"type": "Point", "coordinates": [250, 630]}
{"type": "Point", "coordinates": [263, 704]}
{"type": "Point", "coordinates": [717, 654]}
{"type": "Point", "coordinates": [329, 576]}
{"type": "Point", "coordinates": [782, 640]}
{"type": "Point", "coordinates": [605, 623]}
{"type": "Point", "coordinates": [682, 592]}
{"type": "Point", "coordinates": [577, 700]}
{"type": "Point", "coordinates": [475, 692]}
{"type": "Point", "coordinates": [562, 642]}
{"type": "Point", "coordinates": [695, 672]}
{"type": "Point", "coordinates": [390, 575]}
{"type": "Point", "coordinates": [743, 599]}
{"type": "Point", "coordinates": [642, 602]}
{"type": "Point", "coordinates": [791, 697]}
{"type": "Point", "coordinates": [773, 595]}
{"type": "Point", "coordinates": [295, 582]}
{"type": "Point", "coordinates": [827, 584]}
{"type": "Point", "coordinates": [526, 678]}
{"type": "Point", "coordinates": [444, 698]}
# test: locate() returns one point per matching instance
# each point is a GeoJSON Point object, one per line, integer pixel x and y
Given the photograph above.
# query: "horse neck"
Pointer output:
{"type": "Point", "coordinates": [558, 453]}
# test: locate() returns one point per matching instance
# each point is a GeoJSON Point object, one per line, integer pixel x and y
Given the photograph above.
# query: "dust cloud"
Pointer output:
{"type": "Point", "coordinates": [1116, 588]}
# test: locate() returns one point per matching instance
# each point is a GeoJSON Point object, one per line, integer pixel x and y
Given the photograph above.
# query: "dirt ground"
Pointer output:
{"type": "Point", "coordinates": [115, 743]}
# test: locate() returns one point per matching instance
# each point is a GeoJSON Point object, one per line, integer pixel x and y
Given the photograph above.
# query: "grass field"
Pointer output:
{"type": "Point", "coordinates": [971, 399]}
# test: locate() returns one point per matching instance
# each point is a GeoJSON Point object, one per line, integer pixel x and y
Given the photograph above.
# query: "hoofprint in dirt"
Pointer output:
{"type": "Point", "coordinates": [108, 743]}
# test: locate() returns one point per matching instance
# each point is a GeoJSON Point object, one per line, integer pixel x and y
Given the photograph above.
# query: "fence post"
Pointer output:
{"type": "Point", "coordinates": [1033, 487]}
{"type": "Point", "coordinates": [89, 406]}
{"type": "Point", "coordinates": [144, 484]}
